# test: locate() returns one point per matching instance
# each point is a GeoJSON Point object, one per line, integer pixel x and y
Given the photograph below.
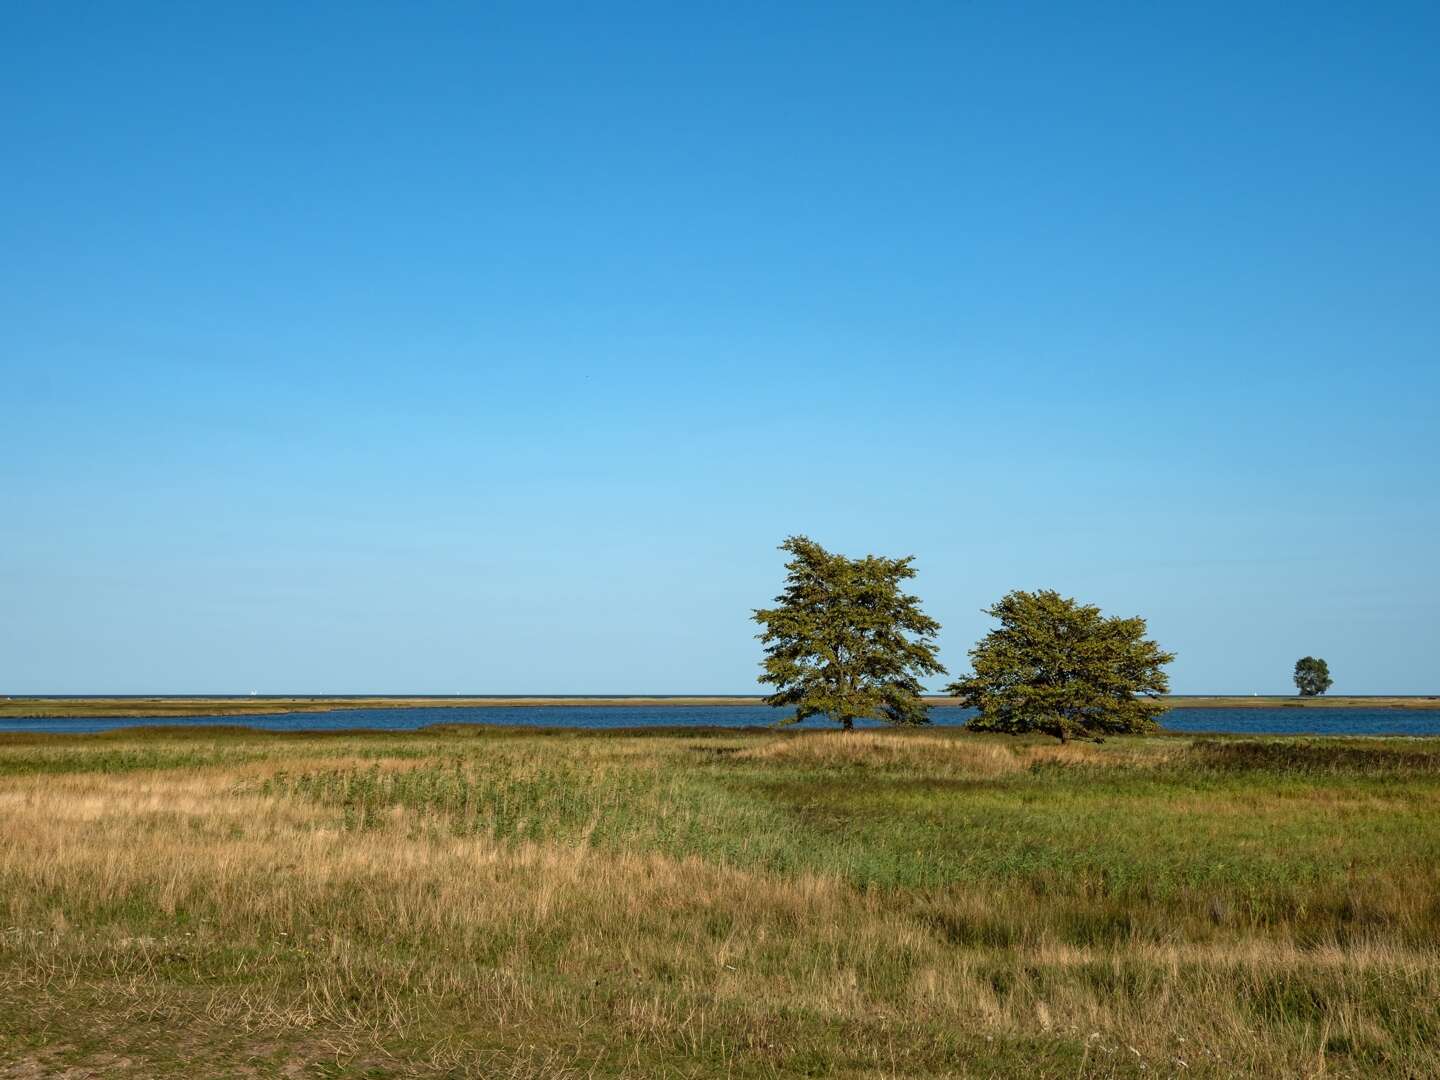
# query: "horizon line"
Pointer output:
{"type": "Point", "coordinates": [297, 694]}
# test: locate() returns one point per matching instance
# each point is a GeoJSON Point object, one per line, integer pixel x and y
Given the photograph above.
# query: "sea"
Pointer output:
{"type": "Point", "coordinates": [1258, 720]}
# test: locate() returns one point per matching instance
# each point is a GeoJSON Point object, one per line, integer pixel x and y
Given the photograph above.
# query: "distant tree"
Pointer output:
{"type": "Point", "coordinates": [1063, 669]}
{"type": "Point", "coordinates": [1312, 676]}
{"type": "Point", "coordinates": [845, 641]}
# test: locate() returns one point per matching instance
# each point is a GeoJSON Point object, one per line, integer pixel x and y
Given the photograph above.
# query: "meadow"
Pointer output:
{"type": "Point", "coordinates": [501, 902]}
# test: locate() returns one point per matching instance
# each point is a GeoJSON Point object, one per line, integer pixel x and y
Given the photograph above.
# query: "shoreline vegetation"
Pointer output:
{"type": "Point", "coordinates": [494, 902]}
{"type": "Point", "coordinates": [45, 707]}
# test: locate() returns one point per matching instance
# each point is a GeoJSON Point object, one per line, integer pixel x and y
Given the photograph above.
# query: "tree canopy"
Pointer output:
{"type": "Point", "coordinates": [845, 641]}
{"type": "Point", "coordinates": [1064, 669]}
{"type": "Point", "coordinates": [1312, 676]}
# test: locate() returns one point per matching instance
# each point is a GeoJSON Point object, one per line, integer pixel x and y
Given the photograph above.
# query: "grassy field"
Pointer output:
{"type": "Point", "coordinates": [259, 706]}
{"type": "Point", "coordinates": [1292, 701]}
{"type": "Point", "coordinates": [510, 903]}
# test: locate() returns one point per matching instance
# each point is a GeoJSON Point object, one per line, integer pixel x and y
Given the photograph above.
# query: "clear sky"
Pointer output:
{"type": "Point", "coordinates": [493, 348]}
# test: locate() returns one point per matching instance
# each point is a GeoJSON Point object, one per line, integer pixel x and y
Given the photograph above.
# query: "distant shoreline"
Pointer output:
{"type": "Point", "coordinates": [45, 707]}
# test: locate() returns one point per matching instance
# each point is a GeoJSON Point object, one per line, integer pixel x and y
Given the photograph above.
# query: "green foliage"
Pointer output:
{"type": "Point", "coordinates": [1312, 676]}
{"type": "Point", "coordinates": [1063, 669]}
{"type": "Point", "coordinates": [845, 641]}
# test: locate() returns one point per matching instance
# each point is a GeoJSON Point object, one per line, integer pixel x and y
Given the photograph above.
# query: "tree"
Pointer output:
{"type": "Point", "coordinates": [1063, 669]}
{"type": "Point", "coordinates": [845, 641]}
{"type": "Point", "coordinates": [1312, 676]}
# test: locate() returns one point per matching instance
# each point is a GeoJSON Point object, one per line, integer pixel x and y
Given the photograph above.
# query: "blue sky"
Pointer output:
{"type": "Point", "coordinates": [493, 348]}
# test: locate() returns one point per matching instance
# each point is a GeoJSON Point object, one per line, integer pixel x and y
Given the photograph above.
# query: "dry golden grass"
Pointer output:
{"type": "Point", "coordinates": [932, 753]}
{"type": "Point", "coordinates": [865, 749]}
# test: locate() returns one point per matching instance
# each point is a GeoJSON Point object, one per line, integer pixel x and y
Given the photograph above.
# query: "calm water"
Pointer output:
{"type": "Point", "coordinates": [1268, 721]}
